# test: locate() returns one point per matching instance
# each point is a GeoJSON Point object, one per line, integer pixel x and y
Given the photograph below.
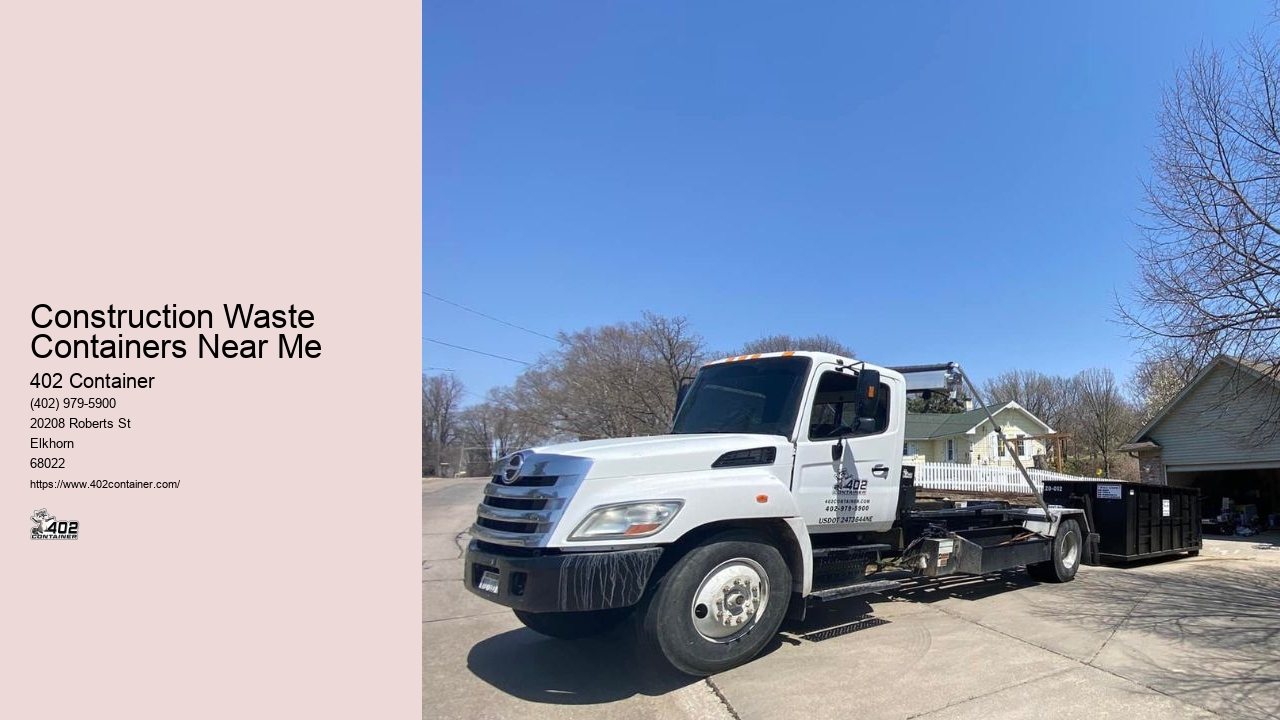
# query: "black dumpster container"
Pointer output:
{"type": "Point", "coordinates": [1134, 520]}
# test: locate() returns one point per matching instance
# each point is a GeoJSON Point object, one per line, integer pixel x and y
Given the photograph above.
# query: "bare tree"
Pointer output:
{"type": "Point", "coordinates": [678, 350]}
{"type": "Point", "coordinates": [1045, 396]}
{"type": "Point", "coordinates": [1101, 419]}
{"type": "Point", "coordinates": [441, 396]}
{"type": "Point", "coordinates": [613, 381]}
{"type": "Point", "coordinates": [497, 425]}
{"type": "Point", "coordinates": [813, 343]}
{"type": "Point", "coordinates": [1210, 257]}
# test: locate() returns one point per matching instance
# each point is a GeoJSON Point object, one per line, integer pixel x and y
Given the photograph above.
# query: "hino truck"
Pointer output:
{"type": "Point", "coordinates": [780, 485]}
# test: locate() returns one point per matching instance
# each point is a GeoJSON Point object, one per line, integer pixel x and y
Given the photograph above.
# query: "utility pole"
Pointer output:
{"type": "Point", "coordinates": [439, 440]}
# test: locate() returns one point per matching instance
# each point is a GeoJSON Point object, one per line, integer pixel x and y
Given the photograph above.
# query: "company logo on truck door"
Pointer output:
{"type": "Point", "coordinates": [849, 504]}
{"type": "Point", "coordinates": [847, 483]}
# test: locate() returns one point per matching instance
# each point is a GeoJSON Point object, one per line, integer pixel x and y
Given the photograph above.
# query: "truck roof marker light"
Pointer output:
{"type": "Point", "coordinates": [788, 353]}
{"type": "Point", "coordinates": [753, 357]}
{"type": "Point", "coordinates": [762, 499]}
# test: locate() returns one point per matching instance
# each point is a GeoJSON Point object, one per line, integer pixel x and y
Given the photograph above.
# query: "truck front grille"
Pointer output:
{"type": "Point", "coordinates": [528, 481]}
{"type": "Point", "coordinates": [507, 526]}
{"type": "Point", "coordinates": [521, 513]}
{"type": "Point", "coordinates": [515, 503]}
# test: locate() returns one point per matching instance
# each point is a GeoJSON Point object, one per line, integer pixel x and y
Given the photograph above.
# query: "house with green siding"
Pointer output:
{"type": "Point", "coordinates": [1220, 434]}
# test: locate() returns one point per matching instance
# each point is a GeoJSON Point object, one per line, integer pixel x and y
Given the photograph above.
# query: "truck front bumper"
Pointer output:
{"type": "Point", "coordinates": [561, 582]}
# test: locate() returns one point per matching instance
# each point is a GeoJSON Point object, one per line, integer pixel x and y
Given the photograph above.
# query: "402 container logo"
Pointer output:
{"type": "Point", "coordinates": [48, 527]}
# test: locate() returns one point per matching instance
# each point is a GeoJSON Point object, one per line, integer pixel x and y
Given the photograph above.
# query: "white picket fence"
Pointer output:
{"type": "Point", "coordinates": [982, 478]}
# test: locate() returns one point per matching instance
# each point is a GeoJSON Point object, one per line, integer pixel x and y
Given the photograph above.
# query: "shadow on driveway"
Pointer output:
{"type": "Point", "coordinates": [962, 587]}
{"type": "Point", "coordinates": [590, 671]}
{"type": "Point", "coordinates": [611, 667]}
{"type": "Point", "coordinates": [838, 618]}
{"type": "Point", "coordinates": [1207, 632]}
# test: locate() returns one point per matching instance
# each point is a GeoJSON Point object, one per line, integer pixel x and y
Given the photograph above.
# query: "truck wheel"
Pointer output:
{"type": "Point", "coordinates": [572, 625]}
{"type": "Point", "coordinates": [719, 605]}
{"type": "Point", "coordinates": [1068, 547]}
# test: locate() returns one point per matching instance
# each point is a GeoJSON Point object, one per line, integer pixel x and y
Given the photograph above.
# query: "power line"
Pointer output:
{"type": "Point", "coordinates": [478, 352]}
{"type": "Point", "coordinates": [490, 317]}
{"type": "Point", "coordinates": [439, 368]}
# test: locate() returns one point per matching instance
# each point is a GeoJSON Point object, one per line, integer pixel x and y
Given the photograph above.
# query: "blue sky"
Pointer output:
{"type": "Point", "coordinates": [925, 182]}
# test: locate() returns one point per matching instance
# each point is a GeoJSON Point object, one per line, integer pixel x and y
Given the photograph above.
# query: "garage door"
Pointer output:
{"type": "Point", "coordinates": [1230, 489]}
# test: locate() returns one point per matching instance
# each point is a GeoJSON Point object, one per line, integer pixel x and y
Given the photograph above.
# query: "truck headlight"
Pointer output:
{"type": "Point", "coordinates": [627, 520]}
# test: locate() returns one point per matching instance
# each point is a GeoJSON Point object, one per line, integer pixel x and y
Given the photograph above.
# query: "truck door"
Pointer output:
{"type": "Point", "coordinates": [859, 490]}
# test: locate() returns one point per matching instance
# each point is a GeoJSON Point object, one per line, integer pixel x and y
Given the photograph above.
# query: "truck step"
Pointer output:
{"type": "Point", "coordinates": [844, 566]}
{"type": "Point", "coordinates": [847, 591]}
{"type": "Point", "coordinates": [842, 550]}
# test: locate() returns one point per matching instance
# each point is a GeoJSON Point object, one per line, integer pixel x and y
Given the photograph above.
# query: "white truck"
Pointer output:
{"type": "Point", "coordinates": [781, 484]}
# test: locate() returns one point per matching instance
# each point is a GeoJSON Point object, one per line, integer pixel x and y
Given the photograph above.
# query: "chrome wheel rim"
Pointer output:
{"type": "Point", "coordinates": [730, 600]}
{"type": "Point", "coordinates": [1070, 549]}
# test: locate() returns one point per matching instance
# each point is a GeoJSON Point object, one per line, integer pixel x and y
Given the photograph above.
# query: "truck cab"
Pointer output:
{"type": "Point", "coordinates": [781, 483]}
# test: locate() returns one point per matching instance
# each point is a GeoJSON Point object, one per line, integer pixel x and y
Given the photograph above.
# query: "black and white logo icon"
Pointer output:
{"type": "Point", "coordinates": [511, 472]}
{"type": "Point", "coordinates": [48, 527]}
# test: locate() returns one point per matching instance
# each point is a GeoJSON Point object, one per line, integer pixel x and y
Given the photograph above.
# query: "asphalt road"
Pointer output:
{"type": "Point", "coordinates": [1186, 638]}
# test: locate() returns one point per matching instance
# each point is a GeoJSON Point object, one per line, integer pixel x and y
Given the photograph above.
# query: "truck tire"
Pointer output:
{"type": "Point", "coordinates": [719, 605]}
{"type": "Point", "coordinates": [1068, 548]}
{"type": "Point", "coordinates": [572, 625]}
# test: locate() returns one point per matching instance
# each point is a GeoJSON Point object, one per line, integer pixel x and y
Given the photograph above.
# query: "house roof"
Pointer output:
{"type": "Point", "coordinates": [925, 426]}
{"type": "Point", "coordinates": [1257, 370]}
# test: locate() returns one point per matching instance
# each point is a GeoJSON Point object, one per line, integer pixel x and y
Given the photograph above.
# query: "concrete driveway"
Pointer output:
{"type": "Point", "coordinates": [1187, 638]}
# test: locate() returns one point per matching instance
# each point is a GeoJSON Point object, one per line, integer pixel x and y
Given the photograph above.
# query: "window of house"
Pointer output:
{"type": "Point", "coordinates": [1022, 446]}
{"type": "Point", "coordinates": [1000, 448]}
{"type": "Point", "coordinates": [951, 449]}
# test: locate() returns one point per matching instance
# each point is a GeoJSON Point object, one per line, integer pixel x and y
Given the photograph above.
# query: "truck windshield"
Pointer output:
{"type": "Point", "coordinates": [752, 396]}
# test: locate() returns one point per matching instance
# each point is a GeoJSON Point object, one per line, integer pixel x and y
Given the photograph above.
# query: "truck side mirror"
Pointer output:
{"type": "Point", "coordinates": [868, 394]}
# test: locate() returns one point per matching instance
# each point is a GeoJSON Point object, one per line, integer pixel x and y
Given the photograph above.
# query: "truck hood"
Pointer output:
{"type": "Point", "coordinates": [663, 453]}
